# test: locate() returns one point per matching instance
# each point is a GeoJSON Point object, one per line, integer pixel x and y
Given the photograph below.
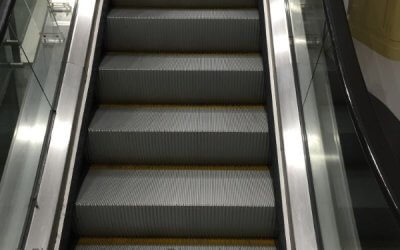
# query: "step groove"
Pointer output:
{"type": "Point", "coordinates": [185, 135]}
{"type": "Point", "coordinates": [183, 30]}
{"type": "Point", "coordinates": [176, 203]}
{"type": "Point", "coordinates": [176, 243]}
{"type": "Point", "coordinates": [181, 78]}
{"type": "Point", "coordinates": [186, 3]}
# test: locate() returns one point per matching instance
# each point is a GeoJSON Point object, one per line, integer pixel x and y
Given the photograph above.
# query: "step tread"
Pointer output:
{"type": "Point", "coordinates": [174, 247]}
{"type": "Point", "coordinates": [186, 3]}
{"type": "Point", "coordinates": [179, 14]}
{"type": "Point", "coordinates": [171, 188]}
{"type": "Point", "coordinates": [177, 30]}
{"type": "Point", "coordinates": [176, 203]}
{"type": "Point", "coordinates": [152, 78]}
{"type": "Point", "coordinates": [176, 243]}
{"type": "Point", "coordinates": [182, 62]}
{"type": "Point", "coordinates": [247, 119]}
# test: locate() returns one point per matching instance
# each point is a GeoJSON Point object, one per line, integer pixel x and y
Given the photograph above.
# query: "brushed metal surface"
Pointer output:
{"type": "Point", "coordinates": [58, 155]}
{"type": "Point", "coordinates": [299, 225]}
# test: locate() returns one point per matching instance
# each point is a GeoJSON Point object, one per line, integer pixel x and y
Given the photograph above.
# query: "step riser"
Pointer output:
{"type": "Point", "coordinates": [170, 247]}
{"type": "Point", "coordinates": [178, 148]}
{"type": "Point", "coordinates": [235, 202]}
{"type": "Point", "coordinates": [186, 3]}
{"type": "Point", "coordinates": [222, 35]}
{"type": "Point", "coordinates": [176, 203]}
{"type": "Point", "coordinates": [156, 221]}
{"type": "Point", "coordinates": [181, 87]}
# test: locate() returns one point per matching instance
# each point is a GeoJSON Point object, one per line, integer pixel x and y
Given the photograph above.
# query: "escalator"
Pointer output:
{"type": "Point", "coordinates": [197, 124]}
{"type": "Point", "coordinates": [177, 149]}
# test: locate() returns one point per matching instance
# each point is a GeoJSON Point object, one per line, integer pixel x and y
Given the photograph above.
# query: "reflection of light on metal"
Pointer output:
{"type": "Point", "coordinates": [281, 44]}
{"type": "Point", "coordinates": [314, 141]}
{"type": "Point", "coordinates": [325, 157]}
{"type": "Point", "coordinates": [32, 134]}
{"type": "Point", "coordinates": [60, 135]}
{"type": "Point", "coordinates": [85, 10]}
{"type": "Point", "coordinates": [294, 148]}
{"type": "Point", "coordinates": [277, 7]}
{"type": "Point", "coordinates": [64, 22]}
{"type": "Point", "coordinates": [316, 149]}
{"type": "Point", "coordinates": [294, 7]}
{"type": "Point", "coordinates": [300, 41]}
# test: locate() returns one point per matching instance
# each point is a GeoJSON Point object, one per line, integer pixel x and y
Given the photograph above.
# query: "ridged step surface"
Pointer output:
{"type": "Point", "coordinates": [179, 143]}
{"type": "Point", "coordinates": [169, 247]}
{"type": "Point", "coordinates": [183, 30]}
{"type": "Point", "coordinates": [123, 202]}
{"type": "Point", "coordinates": [181, 78]}
{"type": "Point", "coordinates": [203, 135]}
{"type": "Point", "coordinates": [175, 243]}
{"type": "Point", "coordinates": [186, 3]}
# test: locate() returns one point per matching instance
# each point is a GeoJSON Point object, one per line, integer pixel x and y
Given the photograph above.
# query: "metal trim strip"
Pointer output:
{"type": "Point", "coordinates": [299, 225]}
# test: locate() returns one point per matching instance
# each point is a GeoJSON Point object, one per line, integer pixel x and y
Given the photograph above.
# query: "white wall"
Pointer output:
{"type": "Point", "coordinates": [382, 76]}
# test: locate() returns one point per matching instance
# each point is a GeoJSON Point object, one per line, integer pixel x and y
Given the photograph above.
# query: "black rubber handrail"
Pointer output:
{"type": "Point", "coordinates": [370, 133]}
{"type": "Point", "coordinates": [6, 7]}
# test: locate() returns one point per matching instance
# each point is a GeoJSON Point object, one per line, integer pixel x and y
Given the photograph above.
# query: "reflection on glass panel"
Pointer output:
{"type": "Point", "coordinates": [376, 225]}
{"type": "Point", "coordinates": [22, 164]}
{"type": "Point", "coordinates": [22, 16]}
{"type": "Point", "coordinates": [9, 105]}
{"type": "Point", "coordinates": [30, 40]}
{"type": "Point", "coordinates": [31, 61]}
{"type": "Point", "coordinates": [49, 55]}
{"type": "Point", "coordinates": [348, 198]}
{"type": "Point", "coordinates": [307, 35]}
{"type": "Point", "coordinates": [24, 115]}
{"type": "Point", "coordinates": [334, 205]}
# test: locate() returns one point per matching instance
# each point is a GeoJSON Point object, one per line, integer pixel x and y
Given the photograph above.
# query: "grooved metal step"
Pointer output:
{"type": "Point", "coordinates": [186, 3]}
{"type": "Point", "coordinates": [171, 170]}
{"type": "Point", "coordinates": [183, 30]}
{"type": "Point", "coordinates": [169, 247]}
{"type": "Point", "coordinates": [203, 135]}
{"type": "Point", "coordinates": [121, 202]}
{"type": "Point", "coordinates": [181, 78]}
{"type": "Point", "coordinates": [175, 243]}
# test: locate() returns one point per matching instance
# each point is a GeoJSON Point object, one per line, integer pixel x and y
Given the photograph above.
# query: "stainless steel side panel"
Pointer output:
{"type": "Point", "coordinates": [299, 225]}
{"type": "Point", "coordinates": [60, 157]}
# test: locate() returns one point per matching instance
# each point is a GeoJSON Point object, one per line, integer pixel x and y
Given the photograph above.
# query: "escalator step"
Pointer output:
{"type": "Point", "coordinates": [186, 3]}
{"type": "Point", "coordinates": [183, 30]}
{"type": "Point", "coordinates": [175, 243]}
{"type": "Point", "coordinates": [181, 78]}
{"type": "Point", "coordinates": [179, 143]}
{"type": "Point", "coordinates": [172, 247]}
{"type": "Point", "coordinates": [129, 202]}
{"type": "Point", "coordinates": [168, 135]}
